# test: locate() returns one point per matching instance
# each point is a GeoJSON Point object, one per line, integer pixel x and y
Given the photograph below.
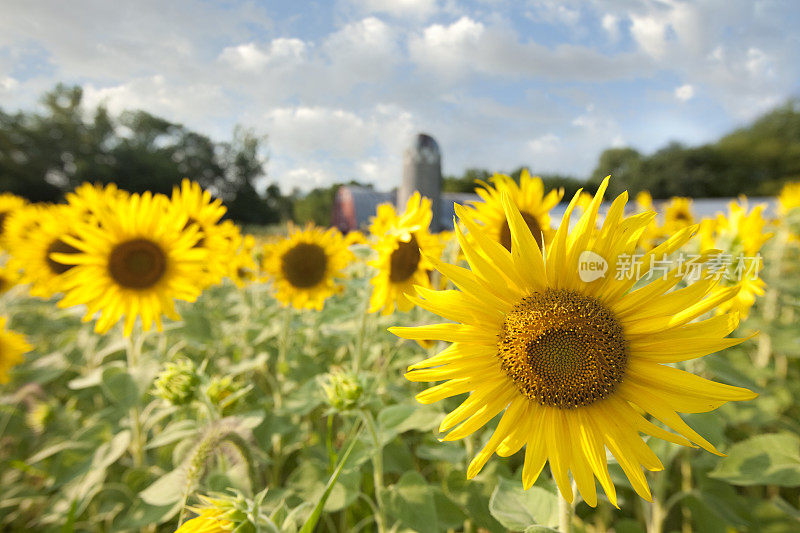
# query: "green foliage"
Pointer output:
{"type": "Point", "coordinates": [753, 160]}
{"type": "Point", "coordinates": [471, 177]}
{"type": "Point", "coordinates": [44, 155]}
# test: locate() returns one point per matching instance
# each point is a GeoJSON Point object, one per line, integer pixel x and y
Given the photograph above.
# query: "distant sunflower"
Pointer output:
{"type": "Point", "coordinates": [305, 266]}
{"type": "Point", "coordinates": [385, 216]}
{"type": "Point", "coordinates": [677, 215]}
{"type": "Point", "coordinates": [12, 347]}
{"type": "Point", "coordinates": [91, 199]}
{"type": "Point", "coordinates": [9, 203]}
{"type": "Point", "coordinates": [8, 277]}
{"type": "Point", "coordinates": [402, 260]}
{"type": "Point", "coordinates": [355, 237]}
{"type": "Point", "coordinates": [529, 195]}
{"type": "Point", "coordinates": [204, 212]}
{"type": "Point", "coordinates": [242, 267]}
{"type": "Point", "coordinates": [789, 197]}
{"type": "Point", "coordinates": [573, 365]}
{"type": "Point", "coordinates": [741, 235]}
{"type": "Point", "coordinates": [32, 255]}
{"type": "Point", "coordinates": [134, 260]}
{"type": "Point", "coordinates": [20, 224]}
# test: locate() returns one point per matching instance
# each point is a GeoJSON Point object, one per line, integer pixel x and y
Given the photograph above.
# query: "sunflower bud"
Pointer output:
{"type": "Point", "coordinates": [220, 389]}
{"type": "Point", "coordinates": [177, 382]}
{"type": "Point", "coordinates": [39, 416]}
{"type": "Point", "coordinates": [343, 390]}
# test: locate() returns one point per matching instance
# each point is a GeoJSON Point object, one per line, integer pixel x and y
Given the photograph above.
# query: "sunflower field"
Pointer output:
{"type": "Point", "coordinates": [619, 370]}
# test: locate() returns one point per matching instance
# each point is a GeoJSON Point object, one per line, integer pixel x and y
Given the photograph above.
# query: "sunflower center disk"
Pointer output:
{"type": "Point", "coordinates": [59, 247]}
{"type": "Point", "coordinates": [137, 264]}
{"type": "Point", "coordinates": [304, 265]}
{"type": "Point", "coordinates": [533, 225]}
{"type": "Point", "coordinates": [404, 260]}
{"type": "Point", "coordinates": [563, 349]}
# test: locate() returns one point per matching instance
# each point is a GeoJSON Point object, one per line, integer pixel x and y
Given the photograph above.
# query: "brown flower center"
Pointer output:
{"type": "Point", "coordinates": [533, 225]}
{"type": "Point", "coordinates": [563, 349]}
{"type": "Point", "coordinates": [59, 247]}
{"type": "Point", "coordinates": [304, 265]}
{"type": "Point", "coordinates": [404, 261]}
{"type": "Point", "coordinates": [137, 264]}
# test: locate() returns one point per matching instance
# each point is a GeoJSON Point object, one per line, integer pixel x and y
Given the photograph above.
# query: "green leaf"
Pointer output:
{"type": "Point", "coordinates": [400, 418]}
{"type": "Point", "coordinates": [518, 509]}
{"type": "Point", "coordinates": [173, 432]}
{"type": "Point", "coordinates": [311, 523]}
{"type": "Point", "coordinates": [121, 387]}
{"type": "Point", "coordinates": [412, 502]}
{"type": "Point", "coordinates": [540, 529]}
{"type": "Point", "coordinates": [92, 378]}
{"type": "Point", "coordinates": [772, 459]}
{"type": "Point", "coordinates": [167, 489]}
{"type": "Point", "coordinates": [448, 513]}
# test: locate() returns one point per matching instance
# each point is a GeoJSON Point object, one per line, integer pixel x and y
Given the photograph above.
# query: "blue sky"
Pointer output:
{"type": "Point", "coordinates": [340, 87]}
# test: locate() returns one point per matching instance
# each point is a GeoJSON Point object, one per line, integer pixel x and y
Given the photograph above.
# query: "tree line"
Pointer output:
{"type": "Point", "coordinates": [46, 153]}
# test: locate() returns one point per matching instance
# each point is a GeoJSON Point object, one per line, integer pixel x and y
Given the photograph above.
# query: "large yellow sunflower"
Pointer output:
{"type": "Point", "coordinates": [134, 259]}
{"type": "Point", "coordinates": [31, 254]}
{"type": "Point", "coordinates": [304, 267]}
{"type": "Point", "coordinates": [400, 261]}
{"type": "Point", "coordinates": [529, 196]}
{"type": "Point", "coordinates": [573, 365]}
{"type": "Point", "coordinates": [12, 346]}
{"type": "Point", "coordinates": [204, 212]}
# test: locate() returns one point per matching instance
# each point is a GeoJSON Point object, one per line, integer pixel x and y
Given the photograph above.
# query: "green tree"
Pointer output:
{"type": "Point", "coordinates": [45, 154]}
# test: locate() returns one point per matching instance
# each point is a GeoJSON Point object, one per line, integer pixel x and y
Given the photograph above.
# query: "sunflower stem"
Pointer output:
{"type": "Point", "coordinates": [771, 303]}
{"type": "Point", "coordinates": [283, 344]}
{"type": "Point", "coordinates": [377, 469]}
{"type": "Point", "coordinates": [133, 352]}
{"type": "Point", "coordinates": [362, 333]}
{"type": "Point", "coordinates": [564, 515]}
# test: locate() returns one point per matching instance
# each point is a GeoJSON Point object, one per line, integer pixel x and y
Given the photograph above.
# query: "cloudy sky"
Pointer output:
{"type": "Point", "coordinates": [341, 86]}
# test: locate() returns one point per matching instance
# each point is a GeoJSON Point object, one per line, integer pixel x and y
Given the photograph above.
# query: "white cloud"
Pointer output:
{"type": "Point", "coordinates": [448, 49]}
{"type": "Point", "coordinates": [545, 144]}
{"type": "Point", "coordinates": [414, 9]}
{"type": "Point", "coordinates": [469, 46]}
{"type": "Point", "coordinates": [199, 105]}
{"type": "Point", "coordinates": [650, 33]}
{"type": "Point", "coordinates": [684, 93]}
{"type": "Point", "coordinates": [554, 11]}
{"type": "Point", "coordinates": [8, 83]}
{"type": "Point", "coordinates": [363, 50]}
{"type": "Point", "coordinates": [611, 25]}
{"type": "Point", "coordinates": [251, 57]}
{"type": "Point", "coordinates": [245, 56]}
